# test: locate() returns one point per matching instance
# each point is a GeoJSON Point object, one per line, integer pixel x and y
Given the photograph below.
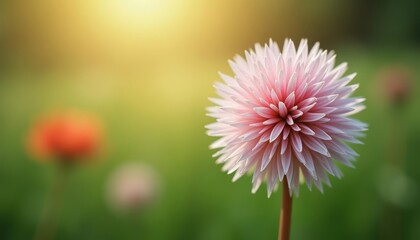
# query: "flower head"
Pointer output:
{"type": "Point", "coordinates": [65, 137]}
{"type": "Point", "coordinates": [397, 84]}
{"type": "Point", "coordinates": [132, 186]}
{"type": "Point", "coordinates": [284, 114]}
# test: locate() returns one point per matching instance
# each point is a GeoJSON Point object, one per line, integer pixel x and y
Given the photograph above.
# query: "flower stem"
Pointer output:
{"type": "Point", "coordinates": [47, 226]}
{"type": "Point", "coordinates": [285, 213]}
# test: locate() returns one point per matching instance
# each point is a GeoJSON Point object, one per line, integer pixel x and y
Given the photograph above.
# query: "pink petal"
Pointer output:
{"type": "Point", "coordinates": [316, 145]}
{"type": "Point", "coordinates": [282, 109]}
{"type": "Point", "coordinates": [290, 100]}
{"type": "Point", "coordinates": [265, 112]}
{"type": "Point", "coordinates": [311, 117]}
{"type": "Point", "coordinates": [296, 142]}
{"type": "Point", "coordinates": [277, 130]}
{"type": "Point", "coordinates": [306, 130]}
{"type": "Point", "coordinates": [286, 160]}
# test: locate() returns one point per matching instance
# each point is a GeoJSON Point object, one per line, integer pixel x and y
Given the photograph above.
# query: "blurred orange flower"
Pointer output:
{"type": "Point", "coordinates": [65, 137]}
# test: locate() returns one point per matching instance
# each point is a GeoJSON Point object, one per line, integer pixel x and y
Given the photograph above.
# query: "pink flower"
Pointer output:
{"type": "Point", "coordinates": [133, 186]}
{"type": "Point", "coordinates": [285, 114]}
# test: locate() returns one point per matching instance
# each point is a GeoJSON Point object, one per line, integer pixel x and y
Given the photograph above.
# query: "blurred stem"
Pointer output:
{"type": "Point", "coordinates": [397, 140]}
{"type": "Point", "coordinates": [285, 213]}
{"type": "Point", "coordinates": [392, 215]}
{"type": "Point", "coordinates": [47, 225]}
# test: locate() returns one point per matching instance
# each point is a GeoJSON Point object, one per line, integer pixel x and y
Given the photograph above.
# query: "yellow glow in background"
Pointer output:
{"type": "Point", "coordinates": [112, 32]}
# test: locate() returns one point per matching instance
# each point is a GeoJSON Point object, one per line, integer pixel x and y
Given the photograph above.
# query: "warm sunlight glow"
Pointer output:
{"type": "Point", "coordinates": [140, 13]}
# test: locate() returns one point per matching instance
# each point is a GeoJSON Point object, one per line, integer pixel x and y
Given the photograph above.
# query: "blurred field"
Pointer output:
{"type": "Point", "coordinates": [160, 121]}
{"type": "Point", "coordinates": [149, 83]}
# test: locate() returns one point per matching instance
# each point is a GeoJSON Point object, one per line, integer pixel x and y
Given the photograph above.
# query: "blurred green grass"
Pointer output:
{"type": "Point", "coordinates": [157, 115]}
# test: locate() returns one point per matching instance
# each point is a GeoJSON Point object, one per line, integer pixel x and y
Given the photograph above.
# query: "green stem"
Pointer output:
{"type": "Point", "coordinates": [47, 226]}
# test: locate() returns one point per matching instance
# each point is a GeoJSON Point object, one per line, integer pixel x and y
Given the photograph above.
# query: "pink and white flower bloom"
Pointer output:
{"type": "Point", "coordinates": [284, 114]}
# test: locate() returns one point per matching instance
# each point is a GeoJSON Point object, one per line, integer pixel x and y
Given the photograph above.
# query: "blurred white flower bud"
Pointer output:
{"type": "Point", "coordinates": [133, 186]}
